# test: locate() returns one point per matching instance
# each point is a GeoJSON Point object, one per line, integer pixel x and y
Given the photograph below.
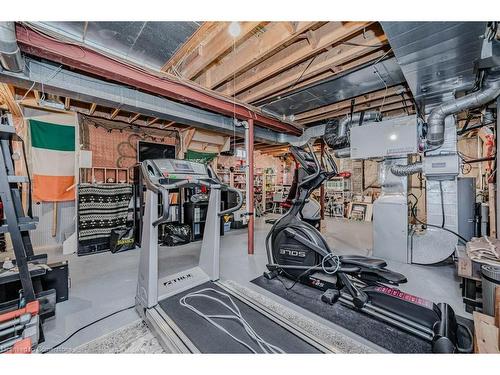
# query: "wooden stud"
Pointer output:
{"type": "Point", "coordinates": [168, 124]}
{"type": "Point", "coordinates": [36, 94]}
{"type": "Point", "coordinates": [188, 137]}
{"type": "Point", "coordinates": [152, 121]}
{"type": "Point", "coordinates": [254, 49]}
{"type": "Point", "coordinates": [93, 106]}
{"type": "Point", "coordinates": [132, 120]}
{"type": "Point", "coordinates": [7, 93]}
{"type": "Point", "coordinates": [115, 113]}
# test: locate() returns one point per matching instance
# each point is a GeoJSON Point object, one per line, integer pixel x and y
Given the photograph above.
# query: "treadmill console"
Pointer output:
{"type": "Point", "coordinates": [167, 171]}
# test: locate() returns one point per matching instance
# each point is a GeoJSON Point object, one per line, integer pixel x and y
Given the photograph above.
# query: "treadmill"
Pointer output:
{"type": "Point", "coordinates": [187, 311]}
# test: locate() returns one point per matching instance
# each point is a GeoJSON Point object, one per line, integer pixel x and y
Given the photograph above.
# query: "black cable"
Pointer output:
{"type": "Point", "coordinates": [442, 203]}
{"type": "Point", "coordinates": [414, 214]}
{"type": "Point", "coordinates": [86, 326]}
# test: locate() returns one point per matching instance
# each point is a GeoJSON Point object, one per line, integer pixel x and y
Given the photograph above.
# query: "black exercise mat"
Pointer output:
{"type": "Point", "coordinates": [372, 329]}
{"type": "Point", "coordinates": [209, 339]}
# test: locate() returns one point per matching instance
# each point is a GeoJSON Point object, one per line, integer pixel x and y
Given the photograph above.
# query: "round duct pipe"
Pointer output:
{"type": "Point", "coordinates": [10, 54]}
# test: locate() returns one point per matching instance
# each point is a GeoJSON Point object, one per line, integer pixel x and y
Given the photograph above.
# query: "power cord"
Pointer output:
{"type": "Point", "coordinates": [413, 210]}
{"type": "Point", "coordinates": [84, 327]}
{"type": "Point", "coordinates": [235, 315]}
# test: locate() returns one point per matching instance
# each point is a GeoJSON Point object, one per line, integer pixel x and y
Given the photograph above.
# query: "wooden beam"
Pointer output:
{"type": "Point", "coordinates": [115, 113]}
{"type": "Point", "coordinates": [368, 57]}
{"type": "Point", "coordinates": [132, 120]}
{"type": "Point", "coordinates": [219, 44]}
{"type": "Point", "coordinates": [168, 124]}
{"type": "Point", "coordinates": [317, 41]}
{"type": "Point", "coordinates": [93, 106]}
{"type": "Point", "coordinates": [36, 94]}
{"type": "Point", "coordinates": [152, 121]}
{"type": "Point", "coordinates": [188, 137]}
{"type": "Point", "coordinates": [311, 67]}
{"type": "Point", "coordinates": [332, 108]}
{"type": "Point", "coordinates": [365, 106]}
{"type": "Point", "coordinates": [7, 93]}
{"type": "Point", "coordinates": [191, 44]}
{"type": "Point", "coordinates": [251, 51]}
{"type": "Point", "coordinates": [67, 103]}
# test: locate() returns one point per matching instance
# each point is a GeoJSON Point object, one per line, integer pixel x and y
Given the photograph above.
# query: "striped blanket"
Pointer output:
{"type": "Point", "coordinates": [101, 208]}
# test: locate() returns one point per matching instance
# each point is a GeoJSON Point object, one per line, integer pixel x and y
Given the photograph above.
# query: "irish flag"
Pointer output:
{"type": "Point", "coordinates": [53, 161]}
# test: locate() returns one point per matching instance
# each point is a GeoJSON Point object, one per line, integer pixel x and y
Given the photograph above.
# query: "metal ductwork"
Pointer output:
{"type": "Point", "coordinates": [435, 121]}
{"type": "Point", "coordinates": [10, 54]}
{"type": "Point", "coordinates": [406, 170]}
{"type": "Point", "coordinates": [336, 131]}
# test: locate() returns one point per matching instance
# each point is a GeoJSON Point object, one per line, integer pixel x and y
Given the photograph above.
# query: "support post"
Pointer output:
{"type": "Point", "coordinates": [322, 188]}
{"type": "Point", "coordinates": [497, 163]}
{"type": "Point", "coordinates": [250, 202]}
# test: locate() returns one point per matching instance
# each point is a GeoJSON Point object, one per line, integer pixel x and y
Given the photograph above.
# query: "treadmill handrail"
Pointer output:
{"type": "Point", "coordinates": [238, 206]}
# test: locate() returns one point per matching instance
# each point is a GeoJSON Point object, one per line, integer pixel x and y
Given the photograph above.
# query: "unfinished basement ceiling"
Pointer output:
{"type": "Point", "coordinates": [149, 44]}
{"type": "Point", "coordinates": [294, 70]}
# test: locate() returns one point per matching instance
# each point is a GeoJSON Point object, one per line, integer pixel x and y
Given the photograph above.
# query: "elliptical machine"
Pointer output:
{"type": "Point", "coordinates": [299, 252]}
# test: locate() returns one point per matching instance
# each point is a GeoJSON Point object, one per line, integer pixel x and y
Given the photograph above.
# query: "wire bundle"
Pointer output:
{"type": "Point", "coordinates": [235, 314]}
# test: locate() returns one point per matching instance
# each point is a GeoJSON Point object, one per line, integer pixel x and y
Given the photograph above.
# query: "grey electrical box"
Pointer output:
{"type": "Point", "coordinates": [441, 166]}
{"type": "Point", "coordinates": [466, 197]}
{"type": "Point", "coordinates": [394, 137]}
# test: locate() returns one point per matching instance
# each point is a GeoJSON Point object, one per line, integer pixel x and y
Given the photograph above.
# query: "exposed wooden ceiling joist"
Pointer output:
{"type": "Point", "coordinates": [324, 37]}
{"type": "Point", "coordinates": [191, 45]}
{"type": "Point", "coordinates": [378, 104]}
{"type": "Point", "coordinates": [93, 106]}
{"type": "Point", "coordinates": [311, 67]}
{"type": "Point", "coordinates": [206, 52]}
{"type": "Point", "coordinates": [252, 51]}
{"type": "Point", "coordinates": [370, 56]}
{"type": "Point", "coordinates": [115, 113]}
{"type": "Point", "coordinates": [332, 108]}
{"type": "Point", "coordinates": [134, 118]}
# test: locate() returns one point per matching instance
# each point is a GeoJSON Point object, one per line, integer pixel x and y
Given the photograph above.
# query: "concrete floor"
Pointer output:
{"type": "Point", "coordinates": [104, 283]}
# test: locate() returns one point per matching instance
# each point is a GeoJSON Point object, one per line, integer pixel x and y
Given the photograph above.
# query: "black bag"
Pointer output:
{"type": "Point", "coordinates": [176, 234]}
{"type": "Point", "coordinates": [122, 239]}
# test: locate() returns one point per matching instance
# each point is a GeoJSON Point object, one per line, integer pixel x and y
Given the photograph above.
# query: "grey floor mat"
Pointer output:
{"type": "Point", "coordinates": [209, 339]}
{"type": "Point", "coordinates": [376, 331]}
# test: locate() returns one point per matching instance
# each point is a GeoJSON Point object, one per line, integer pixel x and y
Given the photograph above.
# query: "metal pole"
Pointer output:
{"type": "Point", "coordinates": [497, 182]}
{"type": "Point", "coordinates": [250, 208]}
{"type": "Point", "coordinates": [322, 188]}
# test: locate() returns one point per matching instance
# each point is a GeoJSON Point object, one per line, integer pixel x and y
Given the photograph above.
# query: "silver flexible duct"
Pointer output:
{"type": "Point", "coordinates": [406, 170]}
{"type": "Point", "coordinates": [10, 54]}
{"type": "Point", "coordinates": [335, 135]}
{"type": "Point", "coordinates": [435, 121]}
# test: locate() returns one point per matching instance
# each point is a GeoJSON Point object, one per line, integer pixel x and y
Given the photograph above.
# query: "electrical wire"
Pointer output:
{"type": "Point", "coordinates": [235, 315]}
{"type": "Point", "coordinates": [413, 211]}
{"type": "Point", "coordinates": [84, 327]}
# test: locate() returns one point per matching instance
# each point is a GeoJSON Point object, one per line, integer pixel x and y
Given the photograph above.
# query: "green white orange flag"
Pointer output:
{"type": "Point", "coordinates": [53, 161]}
